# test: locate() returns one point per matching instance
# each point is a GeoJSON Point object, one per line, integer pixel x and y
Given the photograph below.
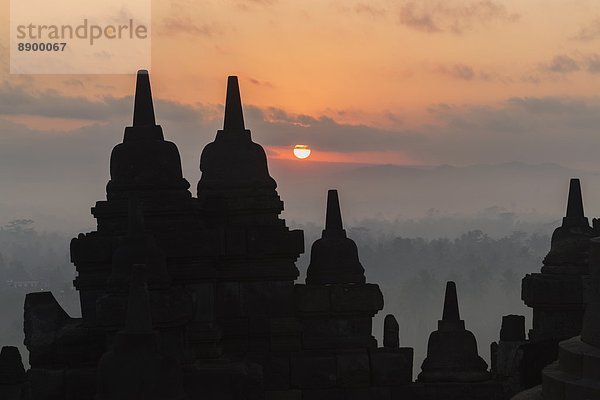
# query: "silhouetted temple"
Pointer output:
{"type": "Point", "coordinates": [453, 369]}
{"type": "Point", "coordinates": [576, 373]}
{"type": "Point", "coordinates": [188, 297]}
{"type": "Point", "coordinates": [556, 294]}
{"type": "Point", "coordinates": [558, 298]}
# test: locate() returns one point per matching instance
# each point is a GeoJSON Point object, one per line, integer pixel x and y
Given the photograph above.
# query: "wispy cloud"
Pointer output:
{"type": "Point", "coordinates": [369, 9]}
{"type": "Point", "coordinates": [258, 82]}
{"type": "Point", "coordinates": [261, 2]}
{"type": "Point", "coordinates": [561, 64]}
{"type": "Point", "coordinates": [519, 129]}
{"type": "Point", "coordinates": [175, 25]}
{"type": "Point", "coordinates": [249, 5]}
{"type": "Point", "coordinates": [466, 72]}
{"type": "Point", "coordinates": [74, 82]}
{"type": "Point", "coordinates": [589, 32]}
{"type": "Point", "coordinates": [459, 71]}
{"type": "Point", "coordinates": [452, 16]}
{"type": "Point", "coordinates": [593, 63]}
{"type": "Point", "coordinates": [16, 100]}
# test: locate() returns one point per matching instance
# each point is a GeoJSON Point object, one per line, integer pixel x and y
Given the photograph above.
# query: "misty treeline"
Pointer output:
{"type": "Point", "coordinates": [410, 268]}
{"type": "Point", "coordinates": [31, 261]}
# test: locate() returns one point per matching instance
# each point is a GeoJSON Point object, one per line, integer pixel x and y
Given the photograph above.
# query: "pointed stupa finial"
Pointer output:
{"type": "Point", "coordinates": [143, 111]}
{"type": "Point", "coordinates": [139, 318]}
{"type": "Point", "coordinates": [234, 116]}
{"type": "Point", "coordinates": [333, 216]}
{"type": "Point", "coordinates": [575, 202]}
{"type": "Point", "coordinates": [135, 218]}
{"type": "Point", "coordinates": [575, 216]}
{"type": "Point", "coordinates": [450, 303]}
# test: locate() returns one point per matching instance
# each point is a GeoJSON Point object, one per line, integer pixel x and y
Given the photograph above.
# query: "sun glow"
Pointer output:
{"type": "Point", "coordinates": [301, 151]}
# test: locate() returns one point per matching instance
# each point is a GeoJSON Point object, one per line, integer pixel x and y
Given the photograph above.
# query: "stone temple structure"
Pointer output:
{"type": "Point", "coordinates": [335, 308]}
{"type": "Point", "coordinates": [576, 373]}
{"type": "Point", "coordinates": [453, 369]}
{"type": "Point", "coordinates": [557, 296]}
{"type": "Point", "coordinates": [508, 365]}
{"type": "Point", "coordinates": [187, 297]}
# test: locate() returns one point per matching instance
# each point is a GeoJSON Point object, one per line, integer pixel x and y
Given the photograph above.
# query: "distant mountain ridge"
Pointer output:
{"type": "Point", "coordinates": [399, 191]}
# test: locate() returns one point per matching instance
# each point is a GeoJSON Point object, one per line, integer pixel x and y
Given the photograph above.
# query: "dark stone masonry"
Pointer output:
{"type": "Point", "coordinates": [188, 297]}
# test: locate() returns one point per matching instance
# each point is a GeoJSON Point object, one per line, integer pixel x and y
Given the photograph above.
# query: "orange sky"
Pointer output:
{"type": "Point", "coordinates": [381, 63]}
{"type": "Point", "coordinates": [320, 57]}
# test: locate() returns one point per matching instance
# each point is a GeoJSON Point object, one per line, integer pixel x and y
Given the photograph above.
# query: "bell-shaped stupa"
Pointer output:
{"type": "Point", "coordinates": [233, 165]}
{"type": "Point", "coordinates": [336, 306]}
{"type": "Point", "coordinates": [452, 350]}
{"type": "Point", "coordinates": [334, 257]}
{"type": "Point", "coordinates": [145, 163]}
{"type": "Point", "coordinates": [556, 294]}
{"type": "Point", "coordinates": [256, 251]}
{"type": "Point", "coordinates": [569, 247]}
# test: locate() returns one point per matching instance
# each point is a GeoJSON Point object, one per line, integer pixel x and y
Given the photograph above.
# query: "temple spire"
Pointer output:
{"type": "Point", "coordinates": [450, 303]}
{"type": "Point", "coordinates": [333, 218]}
{"type": "Point", "coordinates": [234, 116]}
{"type": "Point", "coordinates": [143, 111]}
{"type": "Point", "coordinates": [575, 202]}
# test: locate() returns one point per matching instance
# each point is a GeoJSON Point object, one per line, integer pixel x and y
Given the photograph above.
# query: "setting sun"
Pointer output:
{"type": "Point", "coordinates": [301, 151]}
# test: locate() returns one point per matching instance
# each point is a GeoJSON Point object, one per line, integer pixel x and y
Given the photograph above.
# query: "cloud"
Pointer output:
{"type": "Point", "coordinates": [184, 24]}
{"type": "Point", "coordinates": [468, 73]}
{"type": "Point", "coordinates": [364, 8]}
{"type": "Point", "coordinates": [257, 82]}
{"type": "Point", "coordinates": [564, 64]}
{"type": "Point", "coordinates": [433, 16]}
{"type": "Point", "coordinates": [249, 5]}
{"type": "Point", "coordinates": [459, 71]}
{"type": "Point", "coordinates": [593, 64]}
{"type": "Point", "coordinates": [16, 100]}
{"type": "Point", "coordinates": [419, 20]}
{"type": "Point", "coordinates": [561, 64]}
{"type": "Point", "coordinates": [262, 2]}
{"type": "Point", "coordinates": [528, 129]}
{"type": "Point", "coordinates": [276, 127]}
{"type": "Point", "coordinates": [73, 82]}
{"type": "Point", "coordinates": [588, 33]}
